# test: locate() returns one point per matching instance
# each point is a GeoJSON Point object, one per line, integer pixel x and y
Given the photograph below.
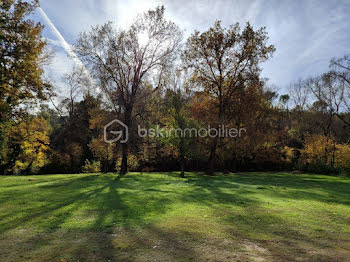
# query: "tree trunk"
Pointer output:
{"type": "Point", "coordinates": [234, 159]}
{"type": "Point", "coordinates": [182, 165]}
{"type": "Point", "coordinates": [127, 122]}
{"type": "Point", "coordinates": [28, 169]}
{"type": "Point", "coordinates": [211, 161]}
{"type": "Point", "coordinates": [124, 165]}
{"type": "Point", "coordinates": [234, 164]}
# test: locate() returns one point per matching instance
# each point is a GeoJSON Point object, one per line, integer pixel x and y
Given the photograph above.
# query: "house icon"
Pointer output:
{"type": "Point", "coordinates": [118, 134]}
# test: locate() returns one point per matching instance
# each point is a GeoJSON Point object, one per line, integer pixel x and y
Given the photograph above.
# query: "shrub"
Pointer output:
{"type": "Point", "coordinates": [320, 168]}
{"type": "Point", "coordinates": [27, 146]}
{"type": "Point", "coordinates": [325, 156]}
{"type": "Point", "coordinates": [92, 167]}
{"type": "Point", "coordinates": [318, 150]}
{"type": "Point", "coordinates": [271, 157]}
{"type": "Point", "coordinates": [342, 157]}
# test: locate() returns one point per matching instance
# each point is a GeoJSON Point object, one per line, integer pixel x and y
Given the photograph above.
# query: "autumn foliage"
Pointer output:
{"type": "Point", "coordinates": [212, 78]}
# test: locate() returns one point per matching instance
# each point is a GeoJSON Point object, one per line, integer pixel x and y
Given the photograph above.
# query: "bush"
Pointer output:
{"type": "Point", "coordinates": [27, 147]}
{"type": "Point", "coordinates": [321, 168]}
{"type": "Point", "coordinates": [342, 157]}
{"type": "Point", "coordinates": [318, 150]}
{"type": "Point", "coordinates": [92, 167]}
{"type": "Point", "coordinates": [323, 155]}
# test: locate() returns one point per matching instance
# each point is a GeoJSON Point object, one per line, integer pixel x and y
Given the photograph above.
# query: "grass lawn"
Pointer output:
{"type": "Point", "coordinates": [161, 217]}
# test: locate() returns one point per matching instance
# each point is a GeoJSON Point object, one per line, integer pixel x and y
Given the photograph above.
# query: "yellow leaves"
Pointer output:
{"type": "Point", "coordinates": [92, 166]}
{"type": "Point", "coordinates": [32, 137]}
{"type": "Point", "coordinates": [317, 149]}
{"type": "Point", "coordinates": [288, 153]}
{"type": "Point", "coordinates": [101, 149]}
{"type": "Point", "coordinates": [133, 163]}
{"type": "Point", "coordinates": [24, 48]}
{"type": "Point", "coordinates": [342, 156]}
{"type": "Point", "coordinates": [320, 149]}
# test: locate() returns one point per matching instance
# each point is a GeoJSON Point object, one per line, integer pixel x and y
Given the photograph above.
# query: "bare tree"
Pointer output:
{"type": "Point", "coordinates": [341, 68]}
{"type": "Point", "coordinates": [77, 82]}
{"type": "Point", "coordinates": [124, 60]}
{"type": "Point", "coordinates": [300, 94]}
{"type": "Point", "coordinates": [329, 94]}
{"type": "Point", "coordinates": [341, 71]}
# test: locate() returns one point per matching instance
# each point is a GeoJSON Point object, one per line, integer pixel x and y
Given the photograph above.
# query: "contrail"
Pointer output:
{"type": "Point", "coordinates": [65, 45]}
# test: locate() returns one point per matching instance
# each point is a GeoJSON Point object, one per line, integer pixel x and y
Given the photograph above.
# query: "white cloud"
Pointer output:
{"type": "Point", "coordinates": [307, 34]}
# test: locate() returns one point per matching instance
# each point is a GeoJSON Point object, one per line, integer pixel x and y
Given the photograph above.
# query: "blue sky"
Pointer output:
{"type": "Point", "coordinates": [306, 33]}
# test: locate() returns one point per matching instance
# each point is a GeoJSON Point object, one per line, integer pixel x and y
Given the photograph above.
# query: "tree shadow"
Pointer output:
{"type": "Point", "coordinates": [112, 202]}
{"type": "Point", "coordinates": [258, 225]}
{"type": "Point", "coordinates": [307, 187]}
{"type": "Point", "coordinates": [119, 214]}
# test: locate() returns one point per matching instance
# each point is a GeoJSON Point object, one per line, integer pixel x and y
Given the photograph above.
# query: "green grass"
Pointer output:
{"type": "Point", "coordinates": [161, 217]}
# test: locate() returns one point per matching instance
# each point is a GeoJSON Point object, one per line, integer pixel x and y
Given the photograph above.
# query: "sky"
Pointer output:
{"type": "Point", "coordinates": [306, 33]}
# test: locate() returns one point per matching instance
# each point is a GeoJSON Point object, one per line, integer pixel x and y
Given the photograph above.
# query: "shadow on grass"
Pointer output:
{"type": "Point", "coordinates": [283, 241]}
{"type": "Point", "coordinates": [114, 202]}
{"type": "Point", "coordinates": [119, 214]}
{"type": "Point", "coordinates": [334, 189]}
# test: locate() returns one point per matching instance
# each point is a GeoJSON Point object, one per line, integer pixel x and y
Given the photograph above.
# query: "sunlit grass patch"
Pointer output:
{"type": "Point", "coordinates": [138, 217]}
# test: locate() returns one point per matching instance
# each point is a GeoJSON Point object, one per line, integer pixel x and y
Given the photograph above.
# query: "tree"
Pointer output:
{"type": "Point", "coordinates": [341, 68]}
{"type": "Point", "coordinates": [104, 152]}
{"type": "Point", "coordinates": [299, 93]}
{"type": "Point", "coordinates": [124, 61]}
{"type": "Point", "coordinates": [27, 148]}
{"type": "Point", "coordinates": [223, 62]}
{"type": "Point", "coordinates": [72, 139]}
{"type": "Point", "coordinates": [283, 101]}
{"type": "Point", "coordinates": [178, 119]}
{"type": "Point", "coordinates": [329, 95]}
{"type": "Point", "coordinates": [341, 71]}
{"type": "Point", "coordinates": [77, 84]}
{"type": "Point", "coordinates": [21, 57]}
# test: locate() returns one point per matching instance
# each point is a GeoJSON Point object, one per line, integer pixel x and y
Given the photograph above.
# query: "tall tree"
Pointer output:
{"type": "Point", "coordinates": [341, 71]}
{"type": "Point", "coordinates": [123, 61]}
{"type": "Point", "coordinates": [224, 61]}
{"type": "Point", "coordinates": [329, 94]}
{"type": "Point", "coordinates": [341, 67]}
{"type": "Point", "coordinates": [177, 117]}
{"type": "Point", "coordinates": [21, 56]}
